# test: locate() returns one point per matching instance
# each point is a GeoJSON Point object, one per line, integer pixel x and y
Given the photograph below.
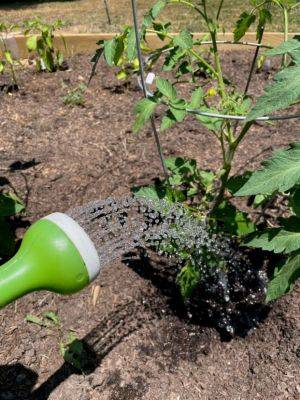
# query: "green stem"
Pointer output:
{"type": "Point", "coordinates": [219, 10]}
{"type": "Point", "coordinates": [227, 165]}
{"type": "Point", "coordinates": [286, 34]}
{"type": "Point", "coordinates": [191, 51]}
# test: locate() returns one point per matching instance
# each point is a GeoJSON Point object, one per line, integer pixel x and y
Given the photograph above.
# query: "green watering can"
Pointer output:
{"type": "Point", "coordinates": [56, 254]}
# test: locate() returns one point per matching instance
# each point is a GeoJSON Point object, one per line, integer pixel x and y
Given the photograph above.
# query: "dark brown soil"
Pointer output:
{"type": "Point", "coordinates": [137, 346]}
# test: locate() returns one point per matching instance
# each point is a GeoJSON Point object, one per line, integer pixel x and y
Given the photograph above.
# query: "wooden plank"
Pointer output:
{"type": "Point", "coordinates": [85, 43]}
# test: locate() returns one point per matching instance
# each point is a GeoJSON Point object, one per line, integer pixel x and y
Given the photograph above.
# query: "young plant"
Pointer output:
{"type": "Point", "coordinates": [40, 41]}
{"type": "Point", "coordinates": [10, 206]}
{"type": "Point", "coordinates": [279, 176]}
{"type": "Point", "coordinates": [8, 63]}
{"type": "Point", "coordinates": [214, 101]}
{"type": "Point", "coordinates": [75, 96]}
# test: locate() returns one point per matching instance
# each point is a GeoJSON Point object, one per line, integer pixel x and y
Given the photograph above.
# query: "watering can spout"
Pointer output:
{"type": "Point", "coordinates": [56, 255]}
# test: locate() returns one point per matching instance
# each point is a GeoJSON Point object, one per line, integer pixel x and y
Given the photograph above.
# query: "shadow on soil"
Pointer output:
{"type": "Point", "coordinates": [17, 4]}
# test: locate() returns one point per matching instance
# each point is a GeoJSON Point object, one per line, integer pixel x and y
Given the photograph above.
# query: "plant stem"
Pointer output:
{"type": "Point", "coordinates": [227, 165]}
{"type": "Point", "coordinates": [250, 76]}
{"type": "Point", "coordinates": [142, 75]}
{"type": "Point", "coordinates": [286, 34]}
{"type": "Point", "coordinates": [219, 10]}
{"type": "Point", "coordinates": [107, 11]}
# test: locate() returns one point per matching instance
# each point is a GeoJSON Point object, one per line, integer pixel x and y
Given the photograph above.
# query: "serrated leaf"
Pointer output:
{"type": "Point", "coordinates": [289, 46]}
{"type": "Point", "coordinates": [184, 40]}
{"type": "Point", "coordinates": [242, 25]}
{"type": "Point", "coordinates": [279, 240]}
{"type": "Point", "coordinates": [280, 173]}
{"type": "Point", "coordinates": [281, 94]}
{"type": "Point", "coordinates": [166, 88]}
{"type": "Point", "coordinates": [284, 278]}
{"type": "Point", "coordinates": [143, 110]}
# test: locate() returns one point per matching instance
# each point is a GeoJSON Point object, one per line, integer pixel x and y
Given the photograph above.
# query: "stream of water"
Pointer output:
{"type": "Point", "coordinates": [117, 226]}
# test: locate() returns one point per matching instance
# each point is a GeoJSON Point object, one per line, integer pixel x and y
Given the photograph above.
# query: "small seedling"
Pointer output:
{"type": "Point", "coordinates": [48, 320]}
{"type": "Point", "coordinates": [8, 63]}
{"type": "Point", "coordinates": [73, 351]}
{"type": "Point", "coordinates": [40, 42]}
{"type": "Point", "coordinates": [75, 97]}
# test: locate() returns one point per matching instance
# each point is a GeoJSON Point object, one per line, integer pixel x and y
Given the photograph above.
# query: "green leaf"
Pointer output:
{"type": "Point", "coordinates": [289, 46]}
{"type": "Point", "coordinates": [8, 57]}
{"type": "Point", "coordinates": [74, 352]}
{"type": "Point", "coordinates": [235, 183]}
{"type": "Point", "coordinates": [197, 98]}
{"type": "Point", "coordinates": [168, 121]}
{"type": "Point", "coordinates": [279, 240]}
{"type": "Point", "coordinates": [295, 202]}
{"type": "Point", "coordinates": [31, 43]}
{"type": "Point", "coordinates": [233, 221]}
{"type": "Point", "coordinates": [284, 92]}
{"type": "Point", "coordinates": [212, 124]}
{"type": "Point", "coordinates": [284, 278]}
{"type": "Point", "coordinates": [188, 279]}
{"type": "Point", "coordinates": [166, 88]}
{"type": "Point", "coordinates": [143, 110]}
{"type": "Point", "coordinates": [149, 192]}
{"type": "Point", "coordinates": [157, 8]}
{"type": "Point", "coordinates": [131, 45]}
{"type": "Point", "coordinates": [1, 67]}
{"type": "Point", "coordinates": [10, 205]}
{"type": "Point", "coordinates": [110, 47]}
{"type": "Point", "coordinates": [242, 25]}
{"type": "Point", "coordinates": [178, 109]}
{"type": "Point", "coordinates": [52, 317]}
{"type": "Point", "coordinates": [280, 173]}
{"type": "Point", "coordinates": [184, 40]}
{"type": "Point", "coordinates": [34, 320]}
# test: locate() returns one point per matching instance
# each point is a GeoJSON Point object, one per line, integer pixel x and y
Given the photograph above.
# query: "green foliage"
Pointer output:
{"type": "Point", "coordinates": [284, 277]}
{"type": "Point", "coordinates": [208, 194]}
{"type": "Point", "coordinates": [10, 205]}
{"type": "Point", "coordinates": [285, 90]}
{"type": "Point", "coordinates": [188, 279]}
{"type": "Point", "coordinates": [73, 351]}
{"type": "Point", "coordinates": [285, 239]}
{"type": "Point", "coordinates": [281, 173]}
{"type": "Point", "coordinates": [76, 96]}
{"type": "Point", "coordinates": [8, 63]}
{"type": "Point", "coordinates": [41, 44]}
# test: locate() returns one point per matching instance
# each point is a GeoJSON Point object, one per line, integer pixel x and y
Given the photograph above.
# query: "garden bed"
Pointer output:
{"type": "Point", "coordinates": [62, 156]}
